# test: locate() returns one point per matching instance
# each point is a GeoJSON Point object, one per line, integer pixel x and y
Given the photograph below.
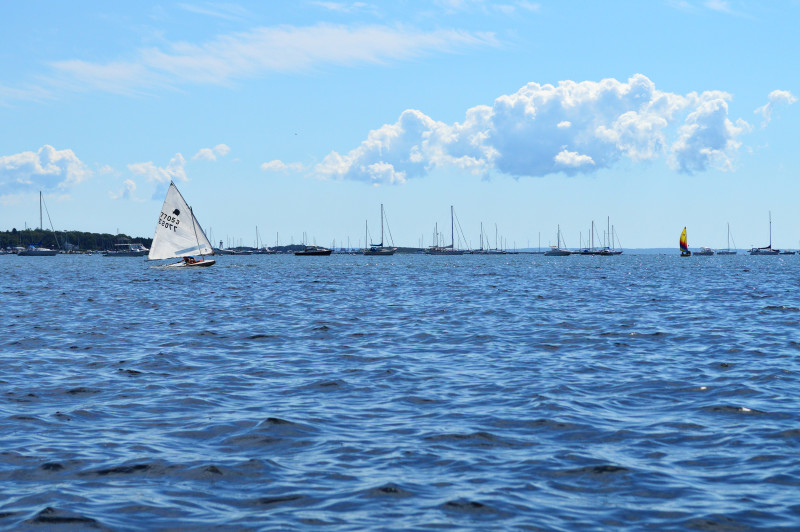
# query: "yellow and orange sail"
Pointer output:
{"type": "Point", "coordinates": [683, 243]}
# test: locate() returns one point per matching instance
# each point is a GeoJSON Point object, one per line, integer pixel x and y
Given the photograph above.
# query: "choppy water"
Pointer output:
{"type": "Point", "coordinates": [405, 392]}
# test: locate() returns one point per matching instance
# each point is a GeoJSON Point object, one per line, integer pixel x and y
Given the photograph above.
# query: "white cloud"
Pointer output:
{"type": "Point", "coordinates": [572, 127]}
{"type": "Point", "coordinates": [128, 188]}
{"type": "Point", "coordinates": [211, 154]}
{"type": "Point", "coordinates": [173, 171]}
{"type": "Point", "coordinates": [47, 169]}
{"type": "Point", "coordinates": [261, 50]}
{"type": "Point", "coordinates": [776, 97]}
{"type": "Point", "coordinates": [708, 138]}
{"type": "Point", "coordinates": [280, 166]}
{"type": "Point", "coordinates": [572, 159]}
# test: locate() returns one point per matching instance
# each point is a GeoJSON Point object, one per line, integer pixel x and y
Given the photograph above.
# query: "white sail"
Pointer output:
{"type": "Point", "coordinates": [177, 233]}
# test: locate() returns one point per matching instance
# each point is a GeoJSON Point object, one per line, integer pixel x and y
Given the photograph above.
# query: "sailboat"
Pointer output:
{"type": "Point", "coordinates": [446, 250]}
{"type": "Point", "coordinates": [728, 251]}
{"type": "Point", "coordinates": [378, 249]}
{"type": "Point", "coordinates": [766, 250]}
{"type": "Point", "coordinates": [178, 234]}
{"type": "Point", "coordinates": [557, 250]}
{"type": "Point", "coordinates": [35, 250]}
{"type": "Point", "coordinates": [684, 245]}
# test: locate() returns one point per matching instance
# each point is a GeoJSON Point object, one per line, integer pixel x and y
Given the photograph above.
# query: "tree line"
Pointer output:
{"type": "Point", "coordinates": [66, 240]}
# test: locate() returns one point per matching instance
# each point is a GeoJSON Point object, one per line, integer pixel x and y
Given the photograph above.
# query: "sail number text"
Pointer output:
{"type": "Point", "coordinates": [168, 221]}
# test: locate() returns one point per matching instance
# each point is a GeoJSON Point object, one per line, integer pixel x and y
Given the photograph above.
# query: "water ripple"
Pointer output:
{"type": "Point", "coordinates": [515, 392]}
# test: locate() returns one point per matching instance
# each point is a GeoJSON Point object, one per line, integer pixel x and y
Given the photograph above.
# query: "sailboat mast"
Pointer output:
{"type": "Point", "coordinates": [452, 235]}
{"type": "Point", "coordinates": [41, 224]}
{"type": "Point", "coordinates": [381, 224]}
{"type": "Point", "coordinates": [770, 229]}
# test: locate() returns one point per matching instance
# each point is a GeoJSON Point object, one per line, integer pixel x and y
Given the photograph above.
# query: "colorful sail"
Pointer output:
{"type": "Point", "coordinates": [683, 243]}
{"type": "Point", "coordinates": [178, 234]}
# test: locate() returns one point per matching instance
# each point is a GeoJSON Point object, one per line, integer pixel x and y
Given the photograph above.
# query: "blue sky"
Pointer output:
{"type": "Point", "coordinates": [301, 117]}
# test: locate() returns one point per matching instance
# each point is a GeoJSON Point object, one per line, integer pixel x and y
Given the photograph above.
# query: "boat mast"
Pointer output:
{"type": "Point", "coordinates": [770, 229]}
{"type": "Point", "coordinates": [381, 224]}
{"type": "Point", "coordinates": [452, 236]}
{"type": "Point", "coordinates": [41, 224]}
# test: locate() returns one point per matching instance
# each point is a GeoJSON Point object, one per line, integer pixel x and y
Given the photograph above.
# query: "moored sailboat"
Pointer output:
{"type": "Point", "coordinates": [436, 249]}
{"type": "Point", "coordinates": [179, 235]}
{"type": "Point", "coordinates": [728, 251]}
{"type": "Point", "coordinates": [378, 249]}
{"type": "Point", "coordinates": [766, 250]}
{"type": "Point", "coordinates": [684, 245]}
{"type": "Point", "coordinates": [557, 250]}
{"type": "Point", "coordinates": [36, 249]}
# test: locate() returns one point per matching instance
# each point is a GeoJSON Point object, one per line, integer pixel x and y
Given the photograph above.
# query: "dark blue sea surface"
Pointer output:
{"type": "Point", "coordinates": [406, 392]}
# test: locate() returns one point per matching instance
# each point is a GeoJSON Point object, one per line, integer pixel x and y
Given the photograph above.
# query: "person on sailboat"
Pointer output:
{"type": "Point", "coordinates": [189, 260]}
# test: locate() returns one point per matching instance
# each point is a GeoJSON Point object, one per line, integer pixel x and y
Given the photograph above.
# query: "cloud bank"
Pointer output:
{"type": "Point", "coordinates": [570, 128]}
{"type": "Point", "coordinates": [47, 169]}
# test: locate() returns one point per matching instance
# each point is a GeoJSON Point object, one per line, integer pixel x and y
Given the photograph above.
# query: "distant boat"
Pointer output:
{"type": "Point", "coordinates": [766, 250]}
{"type": "Point", "coordinates": [35, 250]}
{"type": "Point", "coordinates": [446, 250]}
{"type": "Point", "coordinates": [178, 234]}
{"type": "Point", "coordinates": [704, 252]}
{"type": "Point", "coordinates": [378, 249]}
{"type": "Point", "coordinates": [557, 250]}
{"type": "Point", "coordinates": [313, 250]}
{"type": "Point", "coordinates": [728, 251]}
{"type": "Point", "coordinates": [684, 245]}
{"type": "Point", "coordinates": [128, 250]}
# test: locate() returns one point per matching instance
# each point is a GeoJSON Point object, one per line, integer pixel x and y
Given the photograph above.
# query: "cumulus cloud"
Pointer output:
{"type": "Point", "coordinates": [569, 128]}
{"type": "Point", "coordinates": [211, 154]}
{"type": "Point", "coordinates": [280, 166]}
{"type": "Point", "coordinates": [128, 188]}
{"type": "Point", "coordinates": [173, 171]}
{"type": "Point", "coordinates": [776, 97]}
{"type": "Point", "coordinates": [45, 169]}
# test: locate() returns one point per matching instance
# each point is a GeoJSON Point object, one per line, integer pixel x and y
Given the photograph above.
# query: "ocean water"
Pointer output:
{"type": "Point", "coordinates": [404, 392]}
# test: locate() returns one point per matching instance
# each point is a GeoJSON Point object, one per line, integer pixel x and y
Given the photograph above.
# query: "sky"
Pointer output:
{"type": "Point", "coordinates": [302, 117]}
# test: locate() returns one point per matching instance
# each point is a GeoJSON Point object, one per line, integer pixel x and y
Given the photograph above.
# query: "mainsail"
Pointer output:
{"type": "Point", "coordinates": [178, 234]}
{"type": "Point", "coordinates": [683, 243]}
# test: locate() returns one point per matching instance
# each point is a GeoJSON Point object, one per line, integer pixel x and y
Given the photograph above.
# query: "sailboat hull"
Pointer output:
{"type": "Point", "coordinates": [379, 252]}
{"type": "Point", "coordinates": [198, 264]}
